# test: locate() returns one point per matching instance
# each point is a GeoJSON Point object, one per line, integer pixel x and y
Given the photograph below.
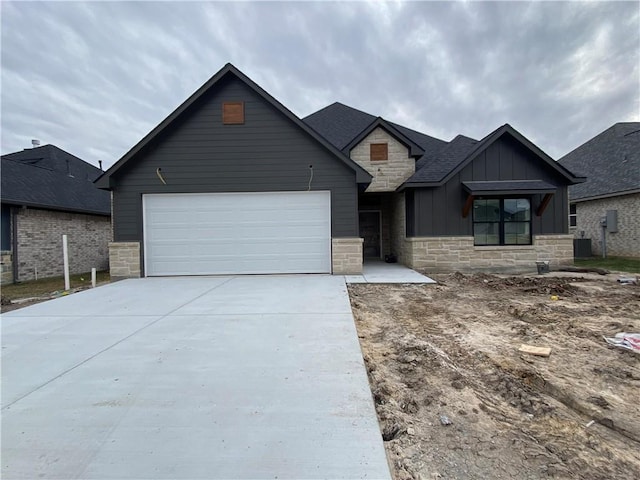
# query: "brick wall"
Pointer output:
{"type": "Point", "coordinates": [40, 242]}
{"type": "Point", "coordinates": [124, 260]}
{"type": "Point", "coordinates": [346, 255]}
{"type": "Point", "coordinates": [448, 254]}
{"type": "Point", "coordinates": [6, 263]}
{"type": "Point", "coordinates": [387, 175]}
{"type": "Point", "coordinates": [626, 241]}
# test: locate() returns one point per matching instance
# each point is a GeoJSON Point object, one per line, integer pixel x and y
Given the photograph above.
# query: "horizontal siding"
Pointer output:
{"type": "Point", "coordinates": [439, 210]}
{"type": "Point", "coordinates": [200, 154]}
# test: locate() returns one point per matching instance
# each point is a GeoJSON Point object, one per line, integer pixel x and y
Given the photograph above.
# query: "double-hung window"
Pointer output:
{"type": "Point", "coordinates": [502, 221]}
{"type": "Point", "coordinates": [573, 217]}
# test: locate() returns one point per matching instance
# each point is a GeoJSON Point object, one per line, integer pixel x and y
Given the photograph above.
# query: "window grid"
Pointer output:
{"type": "Point", "coordinates": [495, 224]}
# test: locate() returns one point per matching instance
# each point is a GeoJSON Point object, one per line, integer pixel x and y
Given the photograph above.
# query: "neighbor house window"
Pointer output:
{"type": "Point", "coordinates": [502, 221]}
{"type": "Point", "coordinates": [5, 228]}
{"type": "Point", "coordinates": [233, 113]}
{"type": "Point", "coordinates": [379, 152]}
{"type": "Point", "coordinates": [573, 217]}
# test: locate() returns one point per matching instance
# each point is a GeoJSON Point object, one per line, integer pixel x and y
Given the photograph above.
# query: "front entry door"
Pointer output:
{"type": "Point", "coordinates": [370, 231]}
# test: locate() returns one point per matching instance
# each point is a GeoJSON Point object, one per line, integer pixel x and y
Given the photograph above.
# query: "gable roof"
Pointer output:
{"type": "Point", "coordinates": [414, 149]}
{"type": "Point", "coordinates": [342, 124]}
{"type": "Point", "coordinates": [48, 177]}
{"type": "Point", "coordinates": [439, 168]}
{"type": "Point", "coordinates": [362, 176]}
{"type": "Point", "coordinates": [612, 161]}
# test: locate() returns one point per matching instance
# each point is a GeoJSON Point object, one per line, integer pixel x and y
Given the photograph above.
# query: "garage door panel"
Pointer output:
{"type": "Point", "coordinates": [202, 234]}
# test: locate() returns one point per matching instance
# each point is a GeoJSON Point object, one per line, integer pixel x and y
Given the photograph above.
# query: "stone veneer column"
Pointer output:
{"type": "Point", "coordinates": [346, 256]}
{"type": "Point", "coordinates": [124, 260]}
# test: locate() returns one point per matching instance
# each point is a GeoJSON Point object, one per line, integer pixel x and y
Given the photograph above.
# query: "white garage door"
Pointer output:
{"type": "Point", "coordinates": [234, 233]}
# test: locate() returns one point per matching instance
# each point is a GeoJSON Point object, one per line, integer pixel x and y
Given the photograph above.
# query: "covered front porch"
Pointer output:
{"type": "Point", "coordinates": [381, 218]}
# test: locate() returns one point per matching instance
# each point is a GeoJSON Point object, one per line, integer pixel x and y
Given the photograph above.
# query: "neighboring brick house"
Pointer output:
{"type": "Point", "coordinates": [612, 162]}
{"type": "Point", "coordinates": [233, 182]}
{"type": "Point", "coordinates": [47, 192]}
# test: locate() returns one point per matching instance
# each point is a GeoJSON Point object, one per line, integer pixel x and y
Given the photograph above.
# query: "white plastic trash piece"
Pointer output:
{"type": "Point", "coordinates": [444, 420]}
{"type": "Point", "coordinates": [628, 341]}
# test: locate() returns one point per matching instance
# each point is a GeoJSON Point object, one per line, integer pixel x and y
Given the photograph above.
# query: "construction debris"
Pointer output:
{"type": "Point", "coordinates": [628, 341]}
{"type": "Point", "coordinates": [538, 351]}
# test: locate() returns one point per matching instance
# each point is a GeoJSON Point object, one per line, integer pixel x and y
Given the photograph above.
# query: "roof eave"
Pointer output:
{"type": "Point", "coordinates": [57, 208]}
{"type": "Point", "coordinates": [406, 185]}
{"type": "Point", "coordinates": [604, 195]}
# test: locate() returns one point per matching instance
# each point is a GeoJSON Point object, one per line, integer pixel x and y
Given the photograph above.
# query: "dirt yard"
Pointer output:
{"type": "Point", "coordinates": [449, 353]}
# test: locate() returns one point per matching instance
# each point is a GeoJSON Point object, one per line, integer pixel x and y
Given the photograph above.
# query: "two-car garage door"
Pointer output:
{"type": "Point", "coordinates": [236, 233]}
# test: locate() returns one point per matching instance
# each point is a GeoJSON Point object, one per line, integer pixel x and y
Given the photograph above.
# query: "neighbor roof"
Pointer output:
{"type": "Point", "coordinates": [362, 176]}
{"type": "Point", "coordinates": [48, 177]}
{"type": "Point", "coordinates": [611, 160]}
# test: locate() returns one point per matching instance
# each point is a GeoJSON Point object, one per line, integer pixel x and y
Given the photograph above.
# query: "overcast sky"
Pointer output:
{"type": "Point", "coordinates": [94, 78]}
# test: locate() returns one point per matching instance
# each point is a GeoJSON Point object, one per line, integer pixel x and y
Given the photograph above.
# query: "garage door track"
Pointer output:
{"type": "Point", "coordinates": [200, 377]}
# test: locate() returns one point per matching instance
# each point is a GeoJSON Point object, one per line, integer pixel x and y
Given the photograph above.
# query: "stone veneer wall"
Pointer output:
{"type": "Point", "coordinates": [626, 241]}
{"type": "Point", "coordinates": [40, 242]}
{"type": "Point", "coordinates": [124, 260]}
{"type": "Point", "coordinates": [389, 174]}
{"type": "Point", "coordinates": [346, 256]}
{"type": "Point", "coordinates": [6, 262]}
{"type": "Point", "coordinates": [447, 254]}
{"type": "Point", "coordinates": [398, 228]}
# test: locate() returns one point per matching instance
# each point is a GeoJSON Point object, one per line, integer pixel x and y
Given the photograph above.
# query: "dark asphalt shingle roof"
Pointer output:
{"type": "Point", "coordinates": [430, 145]}
{"type": "Point", "coordinates": [434, 167]}
{"type": "Point", "coordinates": [38, 177]}
{"type": "Point", "coordinates": [610, 161]}
{"type": "Point", "coordinates": [340, 124]}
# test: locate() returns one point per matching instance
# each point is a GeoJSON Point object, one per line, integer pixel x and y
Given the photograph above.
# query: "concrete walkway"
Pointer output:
{"type": "Point", "coordinates": [377, 271]}
{"type": "Point", "coordinates": [207, 377]}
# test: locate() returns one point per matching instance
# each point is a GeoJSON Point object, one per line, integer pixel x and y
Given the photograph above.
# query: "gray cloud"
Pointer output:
{"type": "Point", "coordinates": [94, 78]}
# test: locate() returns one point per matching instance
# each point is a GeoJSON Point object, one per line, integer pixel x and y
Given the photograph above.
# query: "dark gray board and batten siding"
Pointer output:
{"type": "Point", "coordinates": [437, 211]}
{"type": "Point", "coordinates": [198, 154]}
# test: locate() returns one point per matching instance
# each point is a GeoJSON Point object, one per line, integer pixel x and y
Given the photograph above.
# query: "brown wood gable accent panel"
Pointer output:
{"type": "Point", "coordinates": [467, 206]}
{"type": "Point", "coordinates": [543, 204]}
{"type": "Point", "coordinates": [233, 113]}
{"type": "Point", "coordinates": [379, 152]}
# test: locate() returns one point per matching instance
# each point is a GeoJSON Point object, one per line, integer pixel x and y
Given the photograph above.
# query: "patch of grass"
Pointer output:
{"type": "Point", "coordinates": [46, 286]}
{"type": "Point", "coordinates": [619, 264]}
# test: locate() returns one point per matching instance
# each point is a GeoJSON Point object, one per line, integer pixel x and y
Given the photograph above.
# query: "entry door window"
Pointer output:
{"type": "Point", "coordinates": [370, 231]}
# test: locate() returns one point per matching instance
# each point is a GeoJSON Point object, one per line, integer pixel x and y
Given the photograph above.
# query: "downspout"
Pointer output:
{"type": "Point", "coordinates": [14, 243]}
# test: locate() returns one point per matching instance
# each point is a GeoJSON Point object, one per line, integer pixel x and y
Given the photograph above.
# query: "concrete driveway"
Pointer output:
{"type": "Point", "coordinates": [205, 377]}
